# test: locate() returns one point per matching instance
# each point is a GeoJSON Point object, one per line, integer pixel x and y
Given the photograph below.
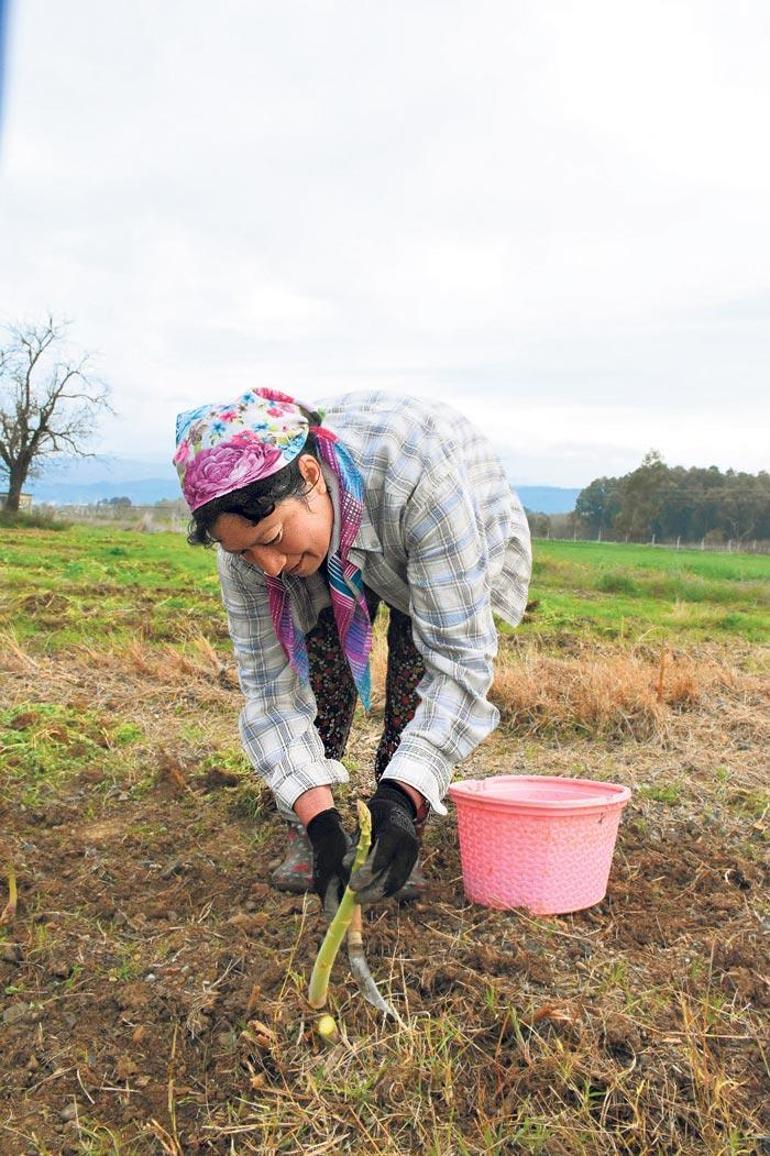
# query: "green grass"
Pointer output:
{"type": "Point", "coordinates": [97, 586]}
{"type": "Point", "coordinates": [651, 559]}
{"type": "Point", "coordinates": [614, 590]}
{"type": "Point", "coordinates": [668, 793]}
{"type": "Point", "coordinates": [94, 585]}
{"type": "Point", "coordinates": [44, 744]}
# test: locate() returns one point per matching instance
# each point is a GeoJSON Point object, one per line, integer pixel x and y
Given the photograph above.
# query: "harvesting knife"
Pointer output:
{"type": "Point", "coordinates": [360, 968]}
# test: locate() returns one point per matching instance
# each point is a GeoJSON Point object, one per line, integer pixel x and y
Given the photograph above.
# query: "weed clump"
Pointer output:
{"type": "Point", "coordinates": [614, 582]}
{"type": "Point", "coordinates": [35, 520]}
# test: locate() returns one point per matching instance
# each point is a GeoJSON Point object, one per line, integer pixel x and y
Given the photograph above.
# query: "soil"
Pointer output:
{"type": "Point", "coordinates": [155, 982]}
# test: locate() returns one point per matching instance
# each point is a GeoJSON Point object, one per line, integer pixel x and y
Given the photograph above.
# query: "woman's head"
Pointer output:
{"type": "Point", "coordinates": [221, 448]}
{"type": "Point", "coordinates": [251, 477]}
{"type": "Point", "coordinates": [280, 525]}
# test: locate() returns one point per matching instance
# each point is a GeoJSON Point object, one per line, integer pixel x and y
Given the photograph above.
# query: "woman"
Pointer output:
{"type": "Point", "coordinates": [319, 517]}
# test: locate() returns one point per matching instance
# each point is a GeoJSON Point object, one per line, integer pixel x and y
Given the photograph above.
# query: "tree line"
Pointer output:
{"type": "Point", "coordinates": [669, 503]}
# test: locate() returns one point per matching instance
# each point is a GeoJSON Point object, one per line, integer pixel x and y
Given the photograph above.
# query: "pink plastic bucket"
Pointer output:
{"type": "Point", "coordinates": [537, 842]}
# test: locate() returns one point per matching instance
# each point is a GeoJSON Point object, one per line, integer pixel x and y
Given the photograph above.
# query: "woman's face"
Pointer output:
{"type": "Point", "coordinates": [294, 539]}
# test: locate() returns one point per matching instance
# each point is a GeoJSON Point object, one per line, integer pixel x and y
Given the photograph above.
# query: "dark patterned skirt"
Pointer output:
{"type": "Point", "coordinates": [335, 691]}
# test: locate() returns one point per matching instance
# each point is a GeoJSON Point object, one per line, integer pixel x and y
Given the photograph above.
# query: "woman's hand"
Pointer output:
{"type": "Point", "coordinates": [395, 845]}
{"type": "Point", "coordinates": [330, 846]}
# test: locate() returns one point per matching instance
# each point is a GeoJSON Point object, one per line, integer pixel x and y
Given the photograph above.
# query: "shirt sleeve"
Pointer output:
{"type": "Point", "coordinates": [454, 631]}
{"type": "Point", "coordinates": [277, 722]}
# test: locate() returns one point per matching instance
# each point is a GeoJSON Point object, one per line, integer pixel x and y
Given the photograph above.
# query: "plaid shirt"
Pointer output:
{"type": "Point", "coordinates": [445, 540]}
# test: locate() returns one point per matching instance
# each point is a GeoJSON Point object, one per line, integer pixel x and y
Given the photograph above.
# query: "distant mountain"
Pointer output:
{"type": "Point", "coordinates": [548, 499]}
{"type": "Point", "coordinates": [141, 491]}
{"type": "Point", "coordinates": [106, 468]}
{"type": "Point", "coordinates": [90, 480]}
{"type": "Point", "coordinates": [84, 481]}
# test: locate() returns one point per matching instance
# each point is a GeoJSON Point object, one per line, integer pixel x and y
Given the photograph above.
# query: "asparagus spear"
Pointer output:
{"type": "Point", "coordinates": [9, 911]}
{"type": "Point", "coordinates": [347, 919]}
{"type": "Point", "coordinates": [319, 980]}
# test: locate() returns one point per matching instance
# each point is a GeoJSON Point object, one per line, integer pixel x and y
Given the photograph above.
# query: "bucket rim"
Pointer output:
{"type": "Point", "coordinates": [482, 791]}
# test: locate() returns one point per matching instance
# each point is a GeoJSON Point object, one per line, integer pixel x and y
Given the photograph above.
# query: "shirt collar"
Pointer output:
{"type": "Point", "coordinates": [333, 487]}
{"type": "Point", "coordinates": [366, 537]}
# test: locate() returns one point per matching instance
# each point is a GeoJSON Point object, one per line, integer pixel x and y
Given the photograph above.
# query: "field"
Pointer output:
{"type": "Point", "coordinates": [154, 985]}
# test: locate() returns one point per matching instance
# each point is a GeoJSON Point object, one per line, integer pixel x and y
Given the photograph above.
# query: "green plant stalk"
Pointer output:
{"type": "Point", "coordinates": [9, 911]}
{"type": "Point", "coordinates": [319, 980]}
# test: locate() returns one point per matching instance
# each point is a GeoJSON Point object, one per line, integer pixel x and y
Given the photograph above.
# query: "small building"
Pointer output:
{"type": "Point", "coordinates": [25, 500]}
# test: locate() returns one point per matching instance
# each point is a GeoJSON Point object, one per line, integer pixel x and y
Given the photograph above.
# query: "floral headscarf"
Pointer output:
{"type": "Point", "coordinates": [221, 448]}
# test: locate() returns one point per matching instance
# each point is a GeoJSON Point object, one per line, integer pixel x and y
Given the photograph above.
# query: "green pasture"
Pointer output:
{"type": "Point", "coordinates": [96, 586]}
{"type": "Point", "coordinates": [615, 590]}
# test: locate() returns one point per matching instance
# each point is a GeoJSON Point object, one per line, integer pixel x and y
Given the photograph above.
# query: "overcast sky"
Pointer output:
{"type": "Point", "coordinates": [551, 215]}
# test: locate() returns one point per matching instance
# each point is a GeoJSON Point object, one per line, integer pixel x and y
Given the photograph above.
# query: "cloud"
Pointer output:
{"type": "Point", "coordinates": [547, 209]}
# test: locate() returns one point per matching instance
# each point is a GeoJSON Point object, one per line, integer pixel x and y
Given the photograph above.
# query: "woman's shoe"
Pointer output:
{"type": "Point", "coordinates": [415, 886]}
{"type": "Point", "coordinates": [295, 874]}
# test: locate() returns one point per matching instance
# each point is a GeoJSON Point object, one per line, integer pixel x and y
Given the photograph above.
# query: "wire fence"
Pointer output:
{"type": "Point", "coordinates": [711, 542]}
{"type": "Point", "coordinates": [172, 516]}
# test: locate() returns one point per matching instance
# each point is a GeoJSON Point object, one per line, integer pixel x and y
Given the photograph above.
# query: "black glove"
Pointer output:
{"type": "Point", "coordinates": [330, 845]}
{"type": "Point", "coordinates": [395, 845]}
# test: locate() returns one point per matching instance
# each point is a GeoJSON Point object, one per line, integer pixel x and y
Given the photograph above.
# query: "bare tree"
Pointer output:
{"type": "Point", "coordinates": [49, 404]}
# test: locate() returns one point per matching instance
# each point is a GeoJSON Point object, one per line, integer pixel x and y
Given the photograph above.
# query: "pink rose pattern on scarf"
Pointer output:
{"type": "Point", "coordinates": [227, 467]}
{"type": "Point", "coordinates": [221, 448]}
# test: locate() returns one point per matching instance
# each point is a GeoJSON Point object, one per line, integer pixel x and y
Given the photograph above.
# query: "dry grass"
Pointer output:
{"type": "Point", "coordinates": [609, 693]}
{"type": "Point", "coordinates": [617, 694]}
